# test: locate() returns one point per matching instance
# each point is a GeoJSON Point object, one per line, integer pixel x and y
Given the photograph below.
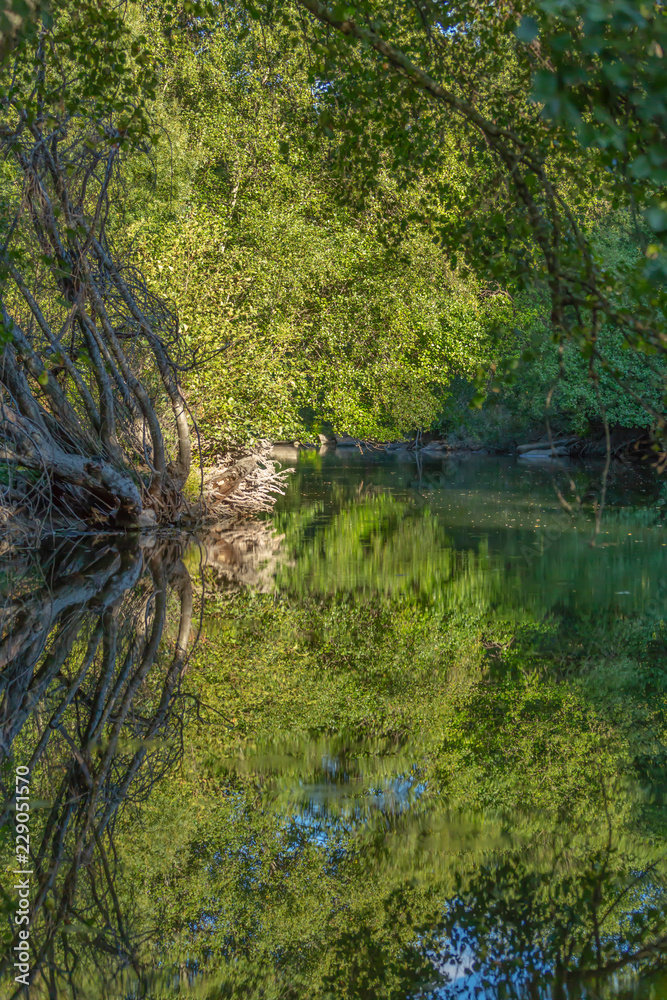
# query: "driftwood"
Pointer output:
{"type": "Point", "coordinates": [630, 441]}
{"type": "Point", "coordinates": [558, 445]}
{"type": "Point", "coordinates": [244, 486]}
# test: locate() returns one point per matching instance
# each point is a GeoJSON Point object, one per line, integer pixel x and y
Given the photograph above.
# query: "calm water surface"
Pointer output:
{"type": "Point", "coordinates": [530, 529]}
{"type": "Point", "coordinates": [404, 738]}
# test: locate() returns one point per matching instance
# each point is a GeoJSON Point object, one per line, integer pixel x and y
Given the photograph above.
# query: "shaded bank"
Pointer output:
{"type": "Point", "coordinates": [624, 444]}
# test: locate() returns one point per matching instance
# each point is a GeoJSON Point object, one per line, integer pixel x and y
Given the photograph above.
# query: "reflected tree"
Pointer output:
{"type": "Point", "coordinates": [91, 701]}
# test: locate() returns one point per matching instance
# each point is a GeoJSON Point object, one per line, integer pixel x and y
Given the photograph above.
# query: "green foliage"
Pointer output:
{"type": "Point", "coordinates": [417, 745]}
{"type": "Point", "coordinates": [349, 253]}
{"type": "Point", "coordinates": [464, 91]}
{"type": "Point", "coordinates": [529, 818]}
{"type": "Point", "coordinates": [352, 261]}
{"type": "Point", "coordinates": [564, 379]}
{"type": "Point", "coordinates": [103, 61]}
{"type": "Point", "coordinates": [273, 262]}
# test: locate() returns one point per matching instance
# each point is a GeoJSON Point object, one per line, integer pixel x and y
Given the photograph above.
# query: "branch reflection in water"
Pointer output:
{"type": "Point", "coordinates": [368, 779]}
{"type": "Point", "coordinates": [95, 643]}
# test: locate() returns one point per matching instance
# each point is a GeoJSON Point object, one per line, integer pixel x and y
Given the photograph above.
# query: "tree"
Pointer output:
{"type": "Point", "coordinates": [540, 118]}
{"type": "Point", "coordinates": [330, 306]}
{"type": "Point", "coordinates": [91, 358]}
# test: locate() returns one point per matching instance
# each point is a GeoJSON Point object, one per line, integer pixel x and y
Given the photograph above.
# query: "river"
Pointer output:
{"type": "Point", "coordinates": [403, 738]}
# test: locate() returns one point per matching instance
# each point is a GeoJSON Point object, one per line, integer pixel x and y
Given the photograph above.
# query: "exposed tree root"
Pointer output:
{"type": "Point", "coordinates": [243, 487]}
{"type": "Point", "coordinates": [93, 423]}
{"type": "Point", "coordinates": [95, 430]}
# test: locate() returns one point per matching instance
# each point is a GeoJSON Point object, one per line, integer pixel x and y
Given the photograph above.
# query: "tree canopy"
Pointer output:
{"type": "Point", "coordinates": [359, 217]}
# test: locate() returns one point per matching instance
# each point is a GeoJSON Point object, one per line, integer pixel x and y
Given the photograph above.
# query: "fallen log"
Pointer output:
{"type": "Point", "coordinates": [546, 445]}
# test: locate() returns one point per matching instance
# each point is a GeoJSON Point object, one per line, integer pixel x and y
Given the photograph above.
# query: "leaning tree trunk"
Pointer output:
{"type": "Point", "coordinates": [93, 422]}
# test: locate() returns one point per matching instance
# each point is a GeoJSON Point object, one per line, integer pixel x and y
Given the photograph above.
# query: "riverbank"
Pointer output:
{"type": "Point", "coordinates": [624, 444]}
{"type": "Point", "coordinates": [234, 486]}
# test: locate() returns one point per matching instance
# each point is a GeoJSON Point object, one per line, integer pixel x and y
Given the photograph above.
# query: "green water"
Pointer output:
{"type": "Point", "coordinates": [487, 530]}
{"type": "Point", "coordinates": [405, 738]}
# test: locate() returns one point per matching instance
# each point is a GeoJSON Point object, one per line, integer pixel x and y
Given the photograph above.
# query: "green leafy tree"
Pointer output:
{"type": "Point", "coordinates": [534, 154]}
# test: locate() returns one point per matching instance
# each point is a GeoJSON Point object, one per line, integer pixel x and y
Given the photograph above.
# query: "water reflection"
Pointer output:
{"type": "Point", "coordinates": [482, 532]}
{"type": "Point", "coordinates": [418, 750]}
{"type": "Point", "coordinates": [95, 637]}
